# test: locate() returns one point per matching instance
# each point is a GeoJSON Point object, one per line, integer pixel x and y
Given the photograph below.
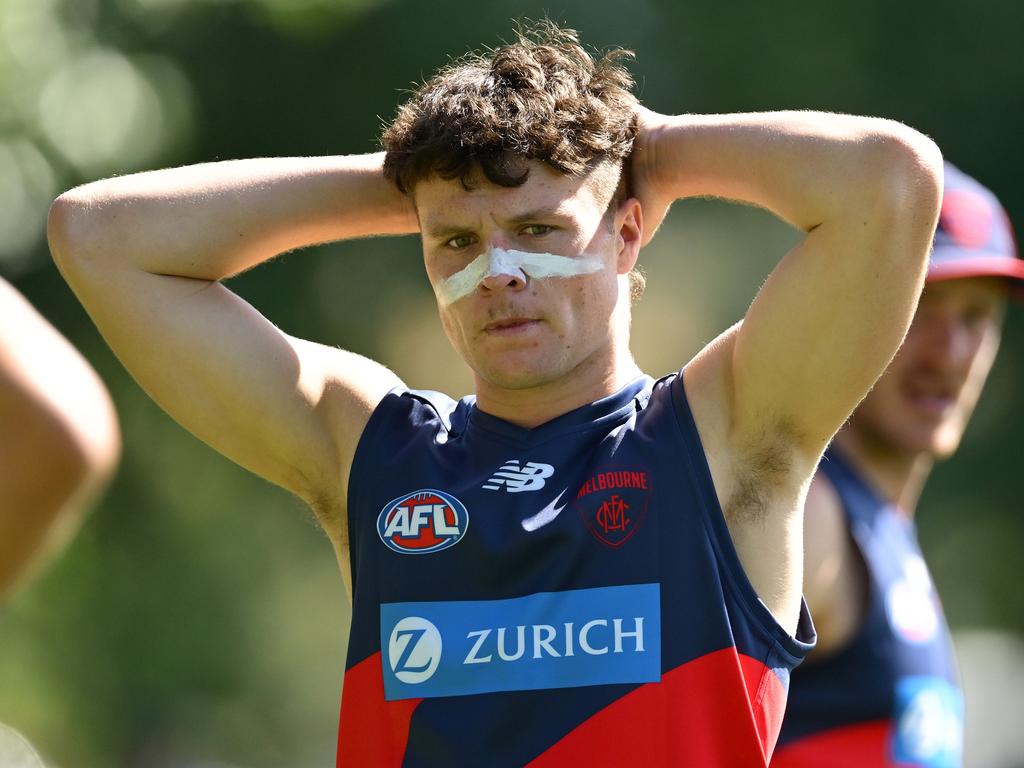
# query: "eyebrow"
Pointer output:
{"type": "Point", "coordinates": [445, 231]}
{"type": "Point", "coordinates": [440, 231]}
{"type": "Point", "coordinates": [539, 213]}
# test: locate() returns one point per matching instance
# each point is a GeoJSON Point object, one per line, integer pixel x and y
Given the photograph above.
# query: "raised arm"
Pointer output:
{"type": "Point", "coordinates": [773, 390]}
{"type": "Point", "coordinates": [59, 440]}
{"type": "Point", "coordinates": [867, 192]}
{"type": "Point", "coordinates": [144, 253]}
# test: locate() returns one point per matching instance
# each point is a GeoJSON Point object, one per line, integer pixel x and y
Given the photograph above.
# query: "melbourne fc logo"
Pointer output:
{"type": "Point", "coordinates": [423, 521]}
{"type": "Point", "coordinates": [613, 504]}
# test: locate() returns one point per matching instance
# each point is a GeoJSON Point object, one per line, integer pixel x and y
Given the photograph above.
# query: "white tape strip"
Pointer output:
{"type": "Point", "coordinates": [498, 261]}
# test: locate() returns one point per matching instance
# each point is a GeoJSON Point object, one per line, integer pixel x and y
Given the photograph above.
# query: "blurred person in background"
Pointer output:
{"type": "Point", "coordinates": [882, 688]}
{"type": "Point", "coordinates": [580, 563]}
{"type": "Point", "coordinates": [59, 438]}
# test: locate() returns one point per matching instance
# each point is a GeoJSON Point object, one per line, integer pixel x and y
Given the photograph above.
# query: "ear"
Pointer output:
{"type": "Point", "coordinates": [629, 232]}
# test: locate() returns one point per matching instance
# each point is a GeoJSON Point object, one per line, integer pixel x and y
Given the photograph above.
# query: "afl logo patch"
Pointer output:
{"type": "Point", "coordinates": [422, 521]}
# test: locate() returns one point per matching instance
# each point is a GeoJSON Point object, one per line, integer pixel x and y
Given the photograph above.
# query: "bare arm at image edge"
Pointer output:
{"type": "Point", "coordinates": [59, 438]}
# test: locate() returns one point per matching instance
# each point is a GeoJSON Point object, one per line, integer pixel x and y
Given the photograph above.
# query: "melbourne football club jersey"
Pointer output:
{"type": "Point", "coordinates": [891, 697]}
{"type": "Point", "coordinates": [564, 595]}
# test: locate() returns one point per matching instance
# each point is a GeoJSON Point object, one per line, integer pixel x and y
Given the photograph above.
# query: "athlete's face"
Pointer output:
{"type": "Point", "coordinates": [516, 331]}
{"type": "Point", "coordinates": [925, 398]}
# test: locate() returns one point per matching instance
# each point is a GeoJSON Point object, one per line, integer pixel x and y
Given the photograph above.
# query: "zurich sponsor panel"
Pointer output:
{"type": "Point", "coordinates": [929, 723]}
{"type": "Point", "coordinates": [564, 639]}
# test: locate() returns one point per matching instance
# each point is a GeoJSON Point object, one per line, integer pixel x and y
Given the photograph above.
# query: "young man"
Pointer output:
{"type": "Point", "coordinates": [578, 563]}
{"type": "Point", "coordinates": [881, 689]}
{"type": "Point", "coordinates": [59, 439]}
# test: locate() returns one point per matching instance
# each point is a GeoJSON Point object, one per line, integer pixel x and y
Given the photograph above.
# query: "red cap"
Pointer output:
{"type": "Point", "coordinates": [974, 237]}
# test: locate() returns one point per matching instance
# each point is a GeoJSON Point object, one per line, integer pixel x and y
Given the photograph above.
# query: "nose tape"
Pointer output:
{"type": "Point", "coordinates": [502, 262]}
{"type": "Point", "coordinates": [498, 261]}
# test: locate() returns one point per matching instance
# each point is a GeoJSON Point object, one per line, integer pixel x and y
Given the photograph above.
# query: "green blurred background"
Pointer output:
{"type": "Point", "coordinates": [198, 619]}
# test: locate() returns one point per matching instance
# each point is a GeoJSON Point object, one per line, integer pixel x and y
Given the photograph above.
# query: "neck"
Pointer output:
{"type": "Point", "coordinates": [899, 476]}
{"type": "Point", "coordinates": [532, 406]}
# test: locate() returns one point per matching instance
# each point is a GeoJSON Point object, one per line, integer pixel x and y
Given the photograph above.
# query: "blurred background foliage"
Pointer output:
{"type": "Point", "coordinates": [198, 619]}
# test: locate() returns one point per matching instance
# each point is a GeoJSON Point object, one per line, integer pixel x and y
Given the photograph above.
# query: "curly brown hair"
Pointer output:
{"type": "Point", "coordinates": [542, 97]}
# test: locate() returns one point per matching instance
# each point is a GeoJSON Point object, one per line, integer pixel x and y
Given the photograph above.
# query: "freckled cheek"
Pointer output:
{"type": "Point", "coordinates": [581, 306]}
{"type": "Point", "coordinates": [596, 299]}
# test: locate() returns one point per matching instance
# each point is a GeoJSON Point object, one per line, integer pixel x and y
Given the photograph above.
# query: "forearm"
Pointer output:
{"type": "Point", "coordinates": [808, 168]}
{"type": "Point", "coordinates": [214, 220]}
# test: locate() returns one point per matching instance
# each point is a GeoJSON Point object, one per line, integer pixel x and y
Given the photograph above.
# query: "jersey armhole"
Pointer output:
{"type": "Point", "coordinates": [360, 470]}
{"type": "Point", "coordinates": [792, 648]}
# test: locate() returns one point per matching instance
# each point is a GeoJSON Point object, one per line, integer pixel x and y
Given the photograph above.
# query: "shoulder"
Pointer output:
{"type": "Point", "coordinates": [398, 423]}
{"type": "Point", "coordinates": [343, 391]}
{"type": "Point", "coordinates": [402, 412]}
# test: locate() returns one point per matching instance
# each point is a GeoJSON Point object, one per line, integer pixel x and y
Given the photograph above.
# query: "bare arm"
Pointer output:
{"type": "Point", "coordinates": [59, 440]}
{"type": "Point", "coordinates": [770, 394]}
{"type": "Point", "coordinates": [144, 253]}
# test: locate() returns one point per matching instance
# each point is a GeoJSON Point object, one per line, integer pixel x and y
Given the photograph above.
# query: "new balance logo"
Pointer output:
{"type": "Point", "coordinates": [516, 479]}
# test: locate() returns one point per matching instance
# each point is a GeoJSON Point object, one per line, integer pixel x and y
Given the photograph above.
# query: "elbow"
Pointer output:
{"type": "Point", "coordinates": [85, 470]}
{"type": "Point", "coordinates": [922, 173]}
{"type": "Point", "coordinates": [86, 452]}
{"type": "Point", "coordinates": [100, 450]}
{"type": "Point", "coordinates": [64, 460]}
{"type": "Point", "coordinates": [108, 454]}
{"type": "Point", "coordinates": [901, 175]}
{"type": "Point", "coordinates": [71, 229]}
{"type": "Point", "coordinates": [58, 227]}
{"type": "Point", "coordinates": [910, 169]}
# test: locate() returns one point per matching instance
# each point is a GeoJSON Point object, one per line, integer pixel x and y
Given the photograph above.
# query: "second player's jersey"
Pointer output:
{"type": "Point", "coordinates": [565, 595]}
{"type": "Point", "coordinates": [891, 697]}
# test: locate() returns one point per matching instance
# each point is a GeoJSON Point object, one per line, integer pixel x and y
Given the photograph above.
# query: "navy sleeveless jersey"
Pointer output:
{"type": "Point", "coordinates": [564, 595]}
{"type": "Point", "coordinates": [891, 697]}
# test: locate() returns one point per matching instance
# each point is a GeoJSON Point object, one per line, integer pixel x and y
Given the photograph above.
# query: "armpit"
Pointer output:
{"type": "Point", "coordinates": [763, 468]}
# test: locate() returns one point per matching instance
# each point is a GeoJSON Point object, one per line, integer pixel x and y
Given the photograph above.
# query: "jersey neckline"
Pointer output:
{"type": "Point", "coordinates": [589, 416]}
